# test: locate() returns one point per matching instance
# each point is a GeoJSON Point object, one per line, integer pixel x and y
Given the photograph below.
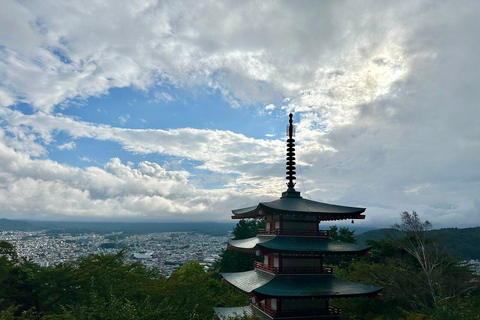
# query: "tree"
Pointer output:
{"type": "Point", "coordinates": [235, 261]}
{"type": "Point", "coordinates": [7, 249]}
{"type": "Point", "coordinates": [419, 279]}
{"type": "Point", "coordinates": [429, 255]}
{"type": "Point", "coordinates": [343, 234]}
{"type": "Point", "coordinates": [247, 229]}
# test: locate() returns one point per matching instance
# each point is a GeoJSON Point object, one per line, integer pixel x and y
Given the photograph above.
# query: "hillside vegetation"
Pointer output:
{"type": "Point", "coordinates": [463, 243]}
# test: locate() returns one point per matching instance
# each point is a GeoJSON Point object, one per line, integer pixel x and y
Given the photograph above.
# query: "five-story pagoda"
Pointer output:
{"type": "Point", "coordinates": [292, 281]}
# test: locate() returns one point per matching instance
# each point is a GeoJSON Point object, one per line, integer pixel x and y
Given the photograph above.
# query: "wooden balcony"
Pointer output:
{"type": "Point", "coordinates": [293, 270]}
{"type": "Point", "coordinates": [295, 232]}
{"type": "Point", "coordinates": [312, 314]}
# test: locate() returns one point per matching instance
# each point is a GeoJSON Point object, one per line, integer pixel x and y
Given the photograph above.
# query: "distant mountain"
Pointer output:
{"type": "Point", "coordinates": [6, 224]}
{"type": "Point", "coordinates": [379, 234]}
{"type": "Point", "coordinates": [76, 227]}
{"type": "Point", "coordinates": [464, 243]}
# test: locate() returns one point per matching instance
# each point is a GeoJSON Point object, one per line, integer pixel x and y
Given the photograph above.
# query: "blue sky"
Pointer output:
{"type": "Point", "coordinates": [176, 111]}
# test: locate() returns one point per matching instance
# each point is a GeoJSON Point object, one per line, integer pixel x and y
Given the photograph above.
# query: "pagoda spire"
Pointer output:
{"type": "Point", "coordinates": [291, 161]}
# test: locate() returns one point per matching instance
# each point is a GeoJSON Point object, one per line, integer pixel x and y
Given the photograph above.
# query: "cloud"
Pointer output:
{"type": "Point", "coordinates": [73, 54]}
{"type": "Point", "coordinates": [162, 96]}
{"type": "Point", "coordinates": [223, 152]}
{"type": "Point", "coordinates": [385, 100]}
{"type": "Point", "coordinates": [67, 146]}
{"type": "Point", "coordinates": [123, 119]}
{"type": "Point", "coordinates": [45, 188]}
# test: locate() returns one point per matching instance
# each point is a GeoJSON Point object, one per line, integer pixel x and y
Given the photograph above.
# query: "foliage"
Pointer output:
{"type": "Point", "coordinates": [343, 234]}
{"type": "Point", "coordinates": [235, 261]}
{"type": "Point", "coordinates": [456, 241]}
{"type": "Point", "coordinates": [247, 229]}
{"type": "Point", "coordinates": [420, 280]}
{"type": "Point", "coordinates": [104, 287]}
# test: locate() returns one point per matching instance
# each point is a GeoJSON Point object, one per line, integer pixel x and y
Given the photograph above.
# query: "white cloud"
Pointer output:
{"type": "Point", "coordinates": [223, 152]}
{"type": "Point", "coordinates": [386, 99]}
{"type": "Point", "coordinates": [45, 188]}
{"type": "Point", "coordinates": [123, 119]}
{"type": "Point", "coordinates": [67, 146]}
{"type": "Point", "coordinates": [162, 96]}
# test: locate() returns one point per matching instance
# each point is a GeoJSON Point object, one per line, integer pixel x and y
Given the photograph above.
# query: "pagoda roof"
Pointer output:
{"type": "Point", "coordinates": [297, 286]}
{"type": "Point", "coordinates": [299, 205]}
{"type": "Point", "coordinates": [233, 312]}
{"type": "Point", "coordinates": [306, 245]}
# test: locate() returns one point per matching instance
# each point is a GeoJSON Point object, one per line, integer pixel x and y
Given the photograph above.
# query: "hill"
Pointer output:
{"type": "Point", "coordinates": [379, 234]}
{"type": "Point", "coordinates": [6, 224]}
{"type": "Point", "coordinates": [77, 227]}
{"type": "Point", "coordinates": [461, 242]}
{"type": "Point", "coordinates": [457, 241]}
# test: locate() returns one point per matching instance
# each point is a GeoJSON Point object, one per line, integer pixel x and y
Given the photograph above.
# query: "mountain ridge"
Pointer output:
{"type": "Point", "coordinates": [461, 242]}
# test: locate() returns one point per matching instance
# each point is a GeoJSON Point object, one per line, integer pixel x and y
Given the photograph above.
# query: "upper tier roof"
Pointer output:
{"type": "Point", "coordinates": [306, 245]}
{"type": "Point", "coordinates": [297, 286]}
{"type": "Point", "coordinates": [299, 205]}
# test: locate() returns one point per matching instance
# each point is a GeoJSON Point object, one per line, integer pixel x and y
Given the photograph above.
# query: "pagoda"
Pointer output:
{"type": "Point", "coordinates": [292, 281]}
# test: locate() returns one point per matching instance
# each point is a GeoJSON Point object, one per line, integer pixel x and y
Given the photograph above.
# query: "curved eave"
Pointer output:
{"type": "Point", "coordinates": [249, 244]}
{"type": "Point", "coordinates": [300, 206]}
{"type": "Point", "coordinates": [323, 286]}
{"type": "Point", "coordinates": [297, 286]}
{"type": "Point", "coordinates": [247, 281]}
{"type": "Point", "coordinates": [298, 245]}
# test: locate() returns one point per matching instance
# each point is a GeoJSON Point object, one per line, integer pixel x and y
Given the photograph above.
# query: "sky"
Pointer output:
{"type": "Point", "coordinates": [144, 110]}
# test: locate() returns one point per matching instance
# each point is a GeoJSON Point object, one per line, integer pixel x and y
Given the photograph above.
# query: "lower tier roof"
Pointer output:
{"type": "Point", "coordinates": [296, 245]}
{"type": "Point", "coordinates": [233, 312]}
{"type": "Point", "coordinates": [297, 286]}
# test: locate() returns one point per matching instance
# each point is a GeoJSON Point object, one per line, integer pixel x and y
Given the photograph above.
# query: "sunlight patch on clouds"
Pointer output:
{"type": "Point", "coordinates": [352, 81]}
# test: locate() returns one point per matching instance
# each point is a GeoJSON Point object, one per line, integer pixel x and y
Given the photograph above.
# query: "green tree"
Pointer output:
{"type": "Point", "coordinates": [343, 234]}
{"type": "Point", "coordinates": [419, 279]}
{"type": "Point", "coordinates": [430, 256]}
{"type": "Point", "coordinates": [247, 229]}
{"type": "Point", "coordinates": [235, 261]}
{"type": "Point", "coordinates": [7, 249]}
{"type": "Point", "coordinates": [192, 293]}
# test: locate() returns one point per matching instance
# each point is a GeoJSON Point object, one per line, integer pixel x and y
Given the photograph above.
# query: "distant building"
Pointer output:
{"type": "Point", "coordinates": [44, 264]}
{"type": "Point", "coordinates": [292, 282]}
{"type": "Point", "coordinates": [209, 260]}
{"type": "Point", "coordinates": [143, 255]}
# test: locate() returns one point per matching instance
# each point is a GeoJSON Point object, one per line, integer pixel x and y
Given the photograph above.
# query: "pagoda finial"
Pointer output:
{"type": "Point", "coordinates": [291, 161]}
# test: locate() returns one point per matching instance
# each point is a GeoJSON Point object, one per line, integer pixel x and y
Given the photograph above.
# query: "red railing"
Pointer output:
{"type": "Point", "coordinates": [264, 267]}
{"type": "Point", "coordinates": [266, 309]}
{"type": "Point", "coordinates": [295, 232]}
{"type": "Point", "coordinates": [293, 270]}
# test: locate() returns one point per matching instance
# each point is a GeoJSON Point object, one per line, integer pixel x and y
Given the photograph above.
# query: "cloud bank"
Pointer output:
{"type": "Point", "coordinates": [385, 95]}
